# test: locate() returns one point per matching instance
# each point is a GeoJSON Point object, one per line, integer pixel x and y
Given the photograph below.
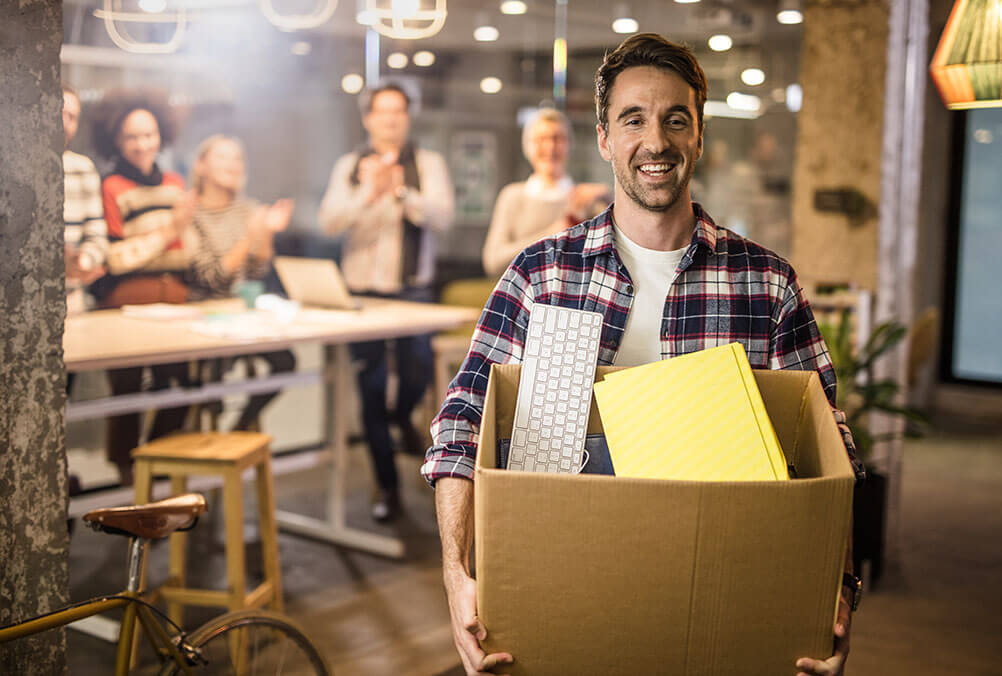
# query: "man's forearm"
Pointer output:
{"type": "Point", "coordinates": [454, 505]}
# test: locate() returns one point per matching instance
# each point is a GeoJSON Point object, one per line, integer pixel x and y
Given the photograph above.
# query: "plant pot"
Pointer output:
{"type": "Point", "coordinates": [869, 510]}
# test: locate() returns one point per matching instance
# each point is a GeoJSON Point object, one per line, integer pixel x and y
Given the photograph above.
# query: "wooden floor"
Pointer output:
{"type": "Point", "coordinates": [936, 613]}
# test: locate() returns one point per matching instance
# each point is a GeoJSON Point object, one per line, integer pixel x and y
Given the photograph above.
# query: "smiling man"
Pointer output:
{"type": "Point", "coordinates": [666, 278]}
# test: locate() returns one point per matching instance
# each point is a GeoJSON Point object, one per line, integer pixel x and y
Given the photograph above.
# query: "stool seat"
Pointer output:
{"type": "Point", "coordinates": [229, 447]}
{"type": "Point", "coordinates": [227, 455]}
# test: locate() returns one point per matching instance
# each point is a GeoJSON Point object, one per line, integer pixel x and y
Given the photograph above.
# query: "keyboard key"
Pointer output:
{"type": "Point", "coordinates": [562, 319]}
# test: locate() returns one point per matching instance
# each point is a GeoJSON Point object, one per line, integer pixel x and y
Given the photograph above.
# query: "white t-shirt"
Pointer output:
{"type": "Point", "coordinates": [652, 273]}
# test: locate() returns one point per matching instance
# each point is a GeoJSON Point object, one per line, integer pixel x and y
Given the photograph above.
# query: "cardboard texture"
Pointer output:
{"type": "Point", "coordinates": [610, 575]}
{"type": "Point", "coordinates": [663, 420]}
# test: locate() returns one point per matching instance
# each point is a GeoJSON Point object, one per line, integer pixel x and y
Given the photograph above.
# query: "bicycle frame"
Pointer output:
{"type": "Point", "coordinates": [131, 600]}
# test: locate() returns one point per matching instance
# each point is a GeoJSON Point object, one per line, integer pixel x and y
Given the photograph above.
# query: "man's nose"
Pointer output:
{"type": "Point", "coordinates": [657, 140]}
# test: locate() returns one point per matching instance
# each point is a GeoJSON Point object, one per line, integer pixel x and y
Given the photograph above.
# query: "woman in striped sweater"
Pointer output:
{"type": "Point", "coordinates": [148, 214]}
{"type": "Point", "coordinates": [235, 240]}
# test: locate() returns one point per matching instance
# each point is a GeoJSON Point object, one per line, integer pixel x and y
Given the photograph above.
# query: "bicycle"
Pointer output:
{"type": "Point", "coordinates": [243, 641]}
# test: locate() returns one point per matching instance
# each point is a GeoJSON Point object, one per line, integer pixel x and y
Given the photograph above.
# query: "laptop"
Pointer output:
{"type": "Point", "coordinates": [315, 282]}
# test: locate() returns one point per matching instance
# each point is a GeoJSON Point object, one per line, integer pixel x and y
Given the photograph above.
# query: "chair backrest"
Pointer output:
{"type": "Point", "coordinates": [467, 293]}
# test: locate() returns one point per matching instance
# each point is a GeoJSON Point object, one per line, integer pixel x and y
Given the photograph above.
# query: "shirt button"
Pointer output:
{"type": "Point", "coordinates": [629, 289]}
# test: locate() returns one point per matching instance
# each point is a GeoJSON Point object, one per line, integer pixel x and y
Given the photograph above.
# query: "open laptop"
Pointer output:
{"type": "Point", "coordinates": [315, 282]}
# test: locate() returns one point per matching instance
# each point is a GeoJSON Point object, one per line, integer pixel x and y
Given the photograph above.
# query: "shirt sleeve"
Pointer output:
{"type": "Point", "coordinates": [132, 253]}
{"type": "Point", "coordinates": [433, 206]}
{"type": "Point", "coordinates": [94, 239]}
{"type": "Point", "coordinates": [343, 204]}
{"type": "Point", "coordinates": [797, 344]}
{"type": "Point", "coordinates": [499, 338]}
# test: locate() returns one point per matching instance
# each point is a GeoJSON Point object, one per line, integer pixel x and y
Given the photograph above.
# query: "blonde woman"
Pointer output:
{"type": "Point", "coordinates": [547, 202]}
{"type": "Point", "coordinates": [234, 240]}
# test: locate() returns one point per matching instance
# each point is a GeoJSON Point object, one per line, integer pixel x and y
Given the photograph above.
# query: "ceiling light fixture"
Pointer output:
{"type": "Point", "coordinates": [789, 12]}
{"type": "Point", "coordinates": [322, 11]}
{"type": "Point", "coordinates": [686, 2]}
{"type": "Point", "coordinates": [153, 6]}
{"type": "Point", "coordinates": [967, 64]}
{"type": "Point", "coordinates": [352, 83]}
{"type": "Point", "coordinates": [794, 98]}
{"type": "Point", "coordinates": [424, 58]}
{"type": "Point", "coordinates": [720, 43]}
{"type": "Point", "coordinates": [112, 14]}
{"type": "Point", "coordinates": [404, 19]}
{"type": "Point", "coordinates": [397, 60]}
{"type": "Point", "coordinates": [513, 7]}
{"type": "Point", "coordinates": [485, 31]}
{"type": "Point", "coordinates": [623, 21]}
{"type": "Point", "coordinates": [744, 102]}
{"type": "Point", "coordinates": [753, 76]}
{"type": "Point", "coordinates": [490, 85]}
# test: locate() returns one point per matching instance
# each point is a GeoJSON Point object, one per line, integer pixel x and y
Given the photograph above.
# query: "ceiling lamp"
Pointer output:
{"type": "Point", "coordinates": [404, 19]}
{"type": "Point", "coordinates": [363, 14]}
{"type": "Point", "coordinates": [485, 32]}
{"type": "Point", "coordinates": [322, 11]}
{"type": "Point", "coordinates": [686, 2]}
{"type": "Point", "coordinates": [352, 83]}
{"type": "Point", "coordinates": [744, 102]}
{"type": "Point", "coordinates": [153, 6]}
{"type": "Point", "coordinates": [753, 76]}
{"type": "Point", "coordinates": [789, 12]}
{"type": "Point", "coordinates": [397, 60]}
{"type": "Point", "coordinates": [967, 65]}
{"type": "Point", "coordinates": [490, 85]}
{"type": "Point", "coordinates": [513, 7]}
{"type": "Point", "coordinates": [623, 21]}
{"type": "Point", "coordinates": [424, 58]}
{"type": "Point", "coordinates": [112, 15]}
{"type": "Point", "coordinates": [720, 43]}
{"type": "Point", "coordinates": [794, 97]}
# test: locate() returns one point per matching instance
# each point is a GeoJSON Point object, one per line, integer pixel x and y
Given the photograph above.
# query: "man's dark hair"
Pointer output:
{"type": "Point", "coordinates": [648, 49]}
{"type": "Point", "coordinates": [117, 105]}
{"type": "Point", "coordinates": [369, 95]}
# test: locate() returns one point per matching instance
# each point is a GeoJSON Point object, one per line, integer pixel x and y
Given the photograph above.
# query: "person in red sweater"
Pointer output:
{"type": "Point", "coordinates": [148, 213]}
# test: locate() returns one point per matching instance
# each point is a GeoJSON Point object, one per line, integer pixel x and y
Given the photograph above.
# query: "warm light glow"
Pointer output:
{"type": "Point", "coordinates": [744, 102]}
{"type": "Point", "coordinates": [490, 85]}
{"type": "Point", "coordinates": [405, 9]}
{"type": "Point", "coordinates": [352, 83]}
{"type": "Point", "coordinates": [366, 17]}
{"type": "Point", "coordinates": [153, 6]}
{"type": "Point", "coordinates": [779, 95]}
{"type": "Point", "coordinates": [301, 48]}
{"type": "Point", "coordinates": [794, 98]}
{"type": "Point", "coordinates": [790, 16]}
{"type": "Point", "coordinates": [720, 43]}
{"type": "Point", "coordinates": [686, 2]}
{"type": "Point", "coordinates": [424, 58]}
{"type": "Point", "coordinates": [513, 7]}
{"type": "Point", "coordinates": [753, 76]}
{"type": "Point", "coordinates": [486, 34]}
{"type": "Point", "coordinates": [397, 60]}
{"type": "Point", "coordinates": [625, 24]}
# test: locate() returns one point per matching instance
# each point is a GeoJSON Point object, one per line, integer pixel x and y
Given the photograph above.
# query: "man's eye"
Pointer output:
{"type": "Point", "coordinates": [677, 123]}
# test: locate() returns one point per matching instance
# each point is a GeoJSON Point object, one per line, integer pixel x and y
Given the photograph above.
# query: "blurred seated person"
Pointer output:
{"type": "Point", "coordinates": [85, 234]}
{"type": "Point", "coordinates": [234, 241]}
{"type": "Point", "coordinates": [148, 214]}
{"type": "Point", "coordinates": [545, 204]}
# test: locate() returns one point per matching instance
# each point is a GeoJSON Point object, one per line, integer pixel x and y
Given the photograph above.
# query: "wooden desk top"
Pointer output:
{"type": "Point", "coordinates": [110, 339]}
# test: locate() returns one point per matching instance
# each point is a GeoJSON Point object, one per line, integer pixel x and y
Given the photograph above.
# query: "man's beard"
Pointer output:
{"type": "Point", "coordinates": [643, 196]}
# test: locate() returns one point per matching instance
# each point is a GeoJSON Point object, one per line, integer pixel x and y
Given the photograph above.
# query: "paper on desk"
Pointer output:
{"type": "Point", "coordinates": [249, 326]}
{"type": "Point", "coordinates": [162, 312]}
{"type": "Point", "coordinates": [696, 417]}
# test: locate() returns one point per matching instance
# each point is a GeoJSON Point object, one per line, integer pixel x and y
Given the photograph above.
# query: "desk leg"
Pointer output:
{"type": "Point", "coordinates": [337, 379]}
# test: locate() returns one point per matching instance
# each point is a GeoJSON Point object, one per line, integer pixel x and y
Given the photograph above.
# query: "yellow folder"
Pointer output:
{"type": "Point", "coordinates": [697, 417]}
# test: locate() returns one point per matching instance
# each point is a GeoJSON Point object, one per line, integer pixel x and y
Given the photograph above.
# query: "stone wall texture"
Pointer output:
{"type": "Point", "coordinates": [33, 534]}
{"type": "Point", "coordinates": [839, 138]}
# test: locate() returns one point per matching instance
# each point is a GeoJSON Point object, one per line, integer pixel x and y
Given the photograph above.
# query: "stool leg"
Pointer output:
{"type": "Point", "coordinates": [234, 515]}
{"type": "Point", "coordinates": [178, 556]}
{"type": "Point", "coordinates": [269, 531]}
{"type": "Point", "coordinates": [142, 484]}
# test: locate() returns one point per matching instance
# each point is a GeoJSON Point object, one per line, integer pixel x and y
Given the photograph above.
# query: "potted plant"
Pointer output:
{"type": "Point", "coordinates": [861, 393]}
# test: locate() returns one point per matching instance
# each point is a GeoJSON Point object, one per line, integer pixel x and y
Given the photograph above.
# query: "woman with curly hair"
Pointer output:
{"type": "Point", "coordinates": [148, 214]}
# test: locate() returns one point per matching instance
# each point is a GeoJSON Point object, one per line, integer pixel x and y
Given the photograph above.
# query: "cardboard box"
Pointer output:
{"type": "Point", "coordinates": [605, 575]}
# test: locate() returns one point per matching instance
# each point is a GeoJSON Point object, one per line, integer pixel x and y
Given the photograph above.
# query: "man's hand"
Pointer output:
{"type": "Point", "coordinates": [77, 267]}
{"type": "Point", "coordinates": [834, 665]}
{"type": "Point", "coordinates": [376, 175]}
{"type": "Point", "coordinates": [276, 218]}
{"type": "Point", "coordinates": [467, 629]}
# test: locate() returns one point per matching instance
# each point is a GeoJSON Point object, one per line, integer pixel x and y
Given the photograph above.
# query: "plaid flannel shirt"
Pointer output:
{"type": "Point", "coordinates": [727, 289]}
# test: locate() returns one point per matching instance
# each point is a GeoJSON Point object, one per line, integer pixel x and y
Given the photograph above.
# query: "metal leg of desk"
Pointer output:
{"type": "Point", "coordinates": [337, 380]}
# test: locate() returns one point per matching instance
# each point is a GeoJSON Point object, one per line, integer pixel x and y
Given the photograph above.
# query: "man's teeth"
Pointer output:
{"type": "Point", "coordinates": [655, 168]}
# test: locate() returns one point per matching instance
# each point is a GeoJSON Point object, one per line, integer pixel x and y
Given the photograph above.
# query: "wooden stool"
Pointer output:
{"type": "Point", "coordinates": [227, 455]}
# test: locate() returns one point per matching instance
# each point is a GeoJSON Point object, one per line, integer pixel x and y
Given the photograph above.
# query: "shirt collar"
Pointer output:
{"type": "Point", "coordinates": [601, 235]}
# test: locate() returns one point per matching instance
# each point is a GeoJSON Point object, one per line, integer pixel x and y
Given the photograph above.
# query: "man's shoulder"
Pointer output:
{"type": "Point", "coordinates": [741, 251]}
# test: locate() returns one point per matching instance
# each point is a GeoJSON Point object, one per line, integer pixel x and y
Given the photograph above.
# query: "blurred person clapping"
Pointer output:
{"type": "Point", "coordinates": [547, 202]}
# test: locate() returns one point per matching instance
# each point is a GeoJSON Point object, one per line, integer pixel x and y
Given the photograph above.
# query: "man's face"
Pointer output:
{"type": "Point", "coordinates": [71, 116]}
{"type": "Point", "coordinates": [653, 138]}
{"type": "Point", "coordinates": [548, 146]}
{"type": "Point", "coordinates": [388, 122]}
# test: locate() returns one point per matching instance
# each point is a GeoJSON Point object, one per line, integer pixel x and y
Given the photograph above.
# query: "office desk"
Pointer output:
{"type": "Point", "coordinates": [110, 339]}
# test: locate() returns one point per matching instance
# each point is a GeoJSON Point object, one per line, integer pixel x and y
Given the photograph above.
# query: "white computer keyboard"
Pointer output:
{"type": "Point", "coordinates": [554, 392]}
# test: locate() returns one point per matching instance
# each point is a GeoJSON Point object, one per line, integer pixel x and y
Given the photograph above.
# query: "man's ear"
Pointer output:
{"type": "Point", "coordinates": [603, 142]}
{"type": "Point", "coordinates": [699, 146]}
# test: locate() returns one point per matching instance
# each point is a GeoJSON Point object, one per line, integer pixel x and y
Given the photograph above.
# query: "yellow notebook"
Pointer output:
{"type": "Point", "coordinates": [697, 417]}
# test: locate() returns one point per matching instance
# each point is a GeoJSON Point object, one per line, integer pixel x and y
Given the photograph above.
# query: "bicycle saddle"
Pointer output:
{"type": "Point", "coordinates": [154, 521]}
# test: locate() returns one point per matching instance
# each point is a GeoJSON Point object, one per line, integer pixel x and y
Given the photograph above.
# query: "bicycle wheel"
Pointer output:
{"type": "Point", "coordinates": [253, 642]}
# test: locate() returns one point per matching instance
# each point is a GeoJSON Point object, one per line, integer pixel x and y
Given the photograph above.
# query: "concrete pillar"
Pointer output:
{"type": "Point", "coordinates": [839, 137]}
{"type": "Point", "coordinates": [33, 536]}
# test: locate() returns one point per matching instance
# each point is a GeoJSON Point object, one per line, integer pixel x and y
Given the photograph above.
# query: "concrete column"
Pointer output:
{"type": "Point", "coordinates": [841, 124]}
{"type": "Point", "coordinates": [33, 536]}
